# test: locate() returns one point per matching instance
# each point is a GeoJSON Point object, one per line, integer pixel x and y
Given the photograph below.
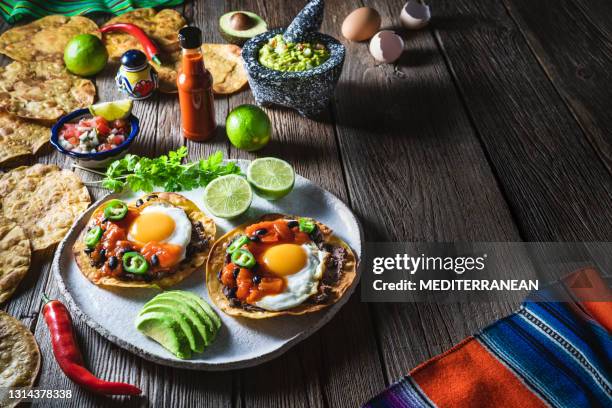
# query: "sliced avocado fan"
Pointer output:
{"type": "Point", "coordinates": [166, 331]}
{"type": "Point", "coordinates": [239, 26]}
{"type": "Point", "coordinates": [180, 321]}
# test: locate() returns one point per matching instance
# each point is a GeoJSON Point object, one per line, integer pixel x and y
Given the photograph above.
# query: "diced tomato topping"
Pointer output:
{"type": "Point", "coordinates": [104, 147]}
{"type": "Point", "coordinates": [168, 255]}
{"type": "Point", "coordinates": [267, 286]}
{"type": "Point", "coordinates": [244, 283]}
{"type": "Point", "coordinates": [283, 231]}
{"type": "Point", "coordinates": [227, 276]}
{"type": "Point", "coordinates": [120, 124]}
{"type": "Point", "coordinates": [116, 140]}
{"type": "Point", "coordinates": [101, 125]}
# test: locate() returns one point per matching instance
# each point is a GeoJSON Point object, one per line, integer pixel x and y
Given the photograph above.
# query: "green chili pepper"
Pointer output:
{"type": "Point", "coordinates": [237, 244]}
{"type": "Point", "coordinates": [115, 210]}
{"type": "Point", "coordinates": [307, 225]}
{"type": "Point", "coordinates": [243, 258]}
{"type": "Point", "coordinates": [133, 262]}
{"type": "Point", "coordinates": [93, 236]}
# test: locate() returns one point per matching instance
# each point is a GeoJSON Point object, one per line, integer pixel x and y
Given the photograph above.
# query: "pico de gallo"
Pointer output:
{"type": "Point", "coordinates": [93, 134]}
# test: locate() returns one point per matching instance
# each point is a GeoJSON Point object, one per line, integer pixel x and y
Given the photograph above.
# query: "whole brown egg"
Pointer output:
{"type": "Point", "coordinates": [361, 24]}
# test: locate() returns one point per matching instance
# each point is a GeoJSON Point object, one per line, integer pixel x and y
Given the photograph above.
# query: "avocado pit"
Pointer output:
{"type": "Point", "coordinates": [240, 21]}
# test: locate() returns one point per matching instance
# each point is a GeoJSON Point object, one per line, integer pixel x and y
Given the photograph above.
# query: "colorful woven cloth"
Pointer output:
{"type": "Point", "coordinates": [14, 10]}
{"type": "Point", "coordinates": [546, 354]}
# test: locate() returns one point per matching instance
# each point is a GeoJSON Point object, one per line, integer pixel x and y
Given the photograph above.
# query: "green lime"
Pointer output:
{"type": "Point", "coordinates": [85, 55]}
{"type": "Point", "coordinates": [228, 196]}
{"type": "Point", "coordinates": [112, 110]}
{"type": "Point", "coordinates": [248, 127]}
{"type": "Point", "coordinates": [271, 178]}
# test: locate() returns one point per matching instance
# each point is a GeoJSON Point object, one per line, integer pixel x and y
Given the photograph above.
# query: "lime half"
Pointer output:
{"type": "Point", "coordinates": [114, 110]}
{"type": "Point", "coordinates": [271, 178]}
{"type": "Point", "coordinates": [228, 196]}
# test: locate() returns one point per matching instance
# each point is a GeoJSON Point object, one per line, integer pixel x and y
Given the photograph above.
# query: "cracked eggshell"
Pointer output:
{"type": "Point", "coordinates": [361, 24]}
{"type": "Point", "coordinates": [415, 15]}
{"type": "Point", "coordinates": [386, 46]}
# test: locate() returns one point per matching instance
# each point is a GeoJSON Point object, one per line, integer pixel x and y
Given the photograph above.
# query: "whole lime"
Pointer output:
{"type": "Point", "coordinates": [85, 55]}
{"type": "Point", "coordinates": [248, 127]}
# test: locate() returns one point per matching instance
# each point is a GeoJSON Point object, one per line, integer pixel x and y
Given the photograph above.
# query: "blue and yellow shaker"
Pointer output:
{"type": "Point", "coordinates": [136, 77]}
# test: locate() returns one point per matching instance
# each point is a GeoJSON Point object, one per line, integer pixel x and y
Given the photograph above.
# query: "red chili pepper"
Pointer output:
{"type": "Point", "coordinates": [69, 356]}
{"type": "Point", "coordinates": [148, 44]}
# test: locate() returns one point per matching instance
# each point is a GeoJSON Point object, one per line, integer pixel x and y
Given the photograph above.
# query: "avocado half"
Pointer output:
{"type": "Point", "coordinates": [239, 26]}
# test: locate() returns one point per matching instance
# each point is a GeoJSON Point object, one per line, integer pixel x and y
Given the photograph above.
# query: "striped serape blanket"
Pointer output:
{"type": "Point", "coordinates": [15, 10]}
{"type": "Point", "coordinates": [546, 354]}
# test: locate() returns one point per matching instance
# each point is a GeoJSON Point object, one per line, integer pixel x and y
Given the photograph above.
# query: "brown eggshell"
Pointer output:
{"type": "Point", "coordinates": [361, 24]}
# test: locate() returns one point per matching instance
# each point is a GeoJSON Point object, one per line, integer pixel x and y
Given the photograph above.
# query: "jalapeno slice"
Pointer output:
{"type": "Point", "coordinates": [306, 225]}
{"type": "Point", "coordinates": [237, 244]}
{"type": "Point", "coordinates": [93, 236]}
{"type": "Point", "coordinates": [243, 258]}
{"type": "Point", "coordinates": [115, 210]}
{"type": "Point", "coordinates": [133, 262]}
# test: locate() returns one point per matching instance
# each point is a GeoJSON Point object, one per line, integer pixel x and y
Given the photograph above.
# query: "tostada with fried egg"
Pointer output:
{"type": "Point", "coordinates": [279, 265]}
{"type": "Point", "coordinates": [156, 241]}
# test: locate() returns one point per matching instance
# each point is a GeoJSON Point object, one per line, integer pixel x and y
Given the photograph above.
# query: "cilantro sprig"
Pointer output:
{"type": "Point", "coordinates": [167, 171]}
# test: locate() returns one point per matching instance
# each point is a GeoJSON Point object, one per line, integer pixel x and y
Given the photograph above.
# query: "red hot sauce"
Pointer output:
{"type": "Point", "coordinates": [194, 84]}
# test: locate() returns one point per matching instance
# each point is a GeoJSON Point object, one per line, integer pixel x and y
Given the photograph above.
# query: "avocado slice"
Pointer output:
{"type": "Point", "coordinates": [166, 331]}
{"type": "Point", "coordinates": [239, 26]}
{"type": "Point", "coordinates": [199, 320]}
{"type": "Point", "coordinates": [195, 341]}
{"type": "Point", "coordinates": [203, 304]}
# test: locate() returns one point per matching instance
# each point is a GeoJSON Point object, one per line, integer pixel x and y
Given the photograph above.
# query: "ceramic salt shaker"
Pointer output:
{"type": "Point", "coordinates": [136, 77]}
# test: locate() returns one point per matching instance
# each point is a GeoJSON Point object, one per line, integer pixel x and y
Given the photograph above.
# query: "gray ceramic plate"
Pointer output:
{"type": "Point", "coordinates": [241, 342]}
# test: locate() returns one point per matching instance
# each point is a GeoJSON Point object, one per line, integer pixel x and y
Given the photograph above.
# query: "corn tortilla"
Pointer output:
{"type": "Point", "coordinates": [15, 257]}
{"type": "Point", "coordinates": [187, 266]}
{"type": "Point", "coordinates": [43, 200]}
{"type": "Point", "coordinates": [19, 358]}
{"type": "Point", "coordinates": [20, 137]}
{"type": "Point", "coordinates": [216, 261]}
{"type": "Point", "coordinates": [45, 39]}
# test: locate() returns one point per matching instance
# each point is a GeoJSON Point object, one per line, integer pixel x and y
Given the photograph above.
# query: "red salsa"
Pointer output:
{"type": "Point", "coordinates": [93, 134]}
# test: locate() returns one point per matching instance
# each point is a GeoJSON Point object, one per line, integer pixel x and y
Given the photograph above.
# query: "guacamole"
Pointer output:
{"type": "Point", "coordinates": [286, 56]}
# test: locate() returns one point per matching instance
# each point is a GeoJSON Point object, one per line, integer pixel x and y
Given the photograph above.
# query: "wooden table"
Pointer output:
{"type": "Point", "coordinates": [494, 125]}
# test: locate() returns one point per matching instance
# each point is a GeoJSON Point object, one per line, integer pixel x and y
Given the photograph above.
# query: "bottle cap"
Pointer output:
{"type": "Point", "coordinates": [190, 37]}
{"type": "Point", "coordinates": [133, 59]}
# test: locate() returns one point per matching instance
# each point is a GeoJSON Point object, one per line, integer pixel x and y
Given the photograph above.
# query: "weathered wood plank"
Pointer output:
{"type": "Point", "coordinates": [573, 42]}
{"type": "Point", "coordinates": [322, 370]}
{"type": "Point", "coordinates": [554, 181]}
{"type": "Point", "coordinates": [409, 149]}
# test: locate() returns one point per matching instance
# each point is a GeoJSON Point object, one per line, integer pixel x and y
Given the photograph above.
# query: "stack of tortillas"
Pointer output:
{"type": "Point", "coordinates": [222, 60]}
{"type": "Point", "coordinates": [19, 358]}
{"type": "Point", "coordinates": [38, 204]}
{"type": "Point", "coordinates": [37, 89]}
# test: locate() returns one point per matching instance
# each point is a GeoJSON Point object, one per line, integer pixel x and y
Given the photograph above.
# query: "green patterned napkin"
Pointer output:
{"type": "Point", "coordinates": [14, 10]}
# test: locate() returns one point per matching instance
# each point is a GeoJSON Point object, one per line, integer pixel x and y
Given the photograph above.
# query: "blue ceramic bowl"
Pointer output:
{"type": "Point", "coordinates": [308, 92]}
{"type": "Point", "coordinates": [93, 160]}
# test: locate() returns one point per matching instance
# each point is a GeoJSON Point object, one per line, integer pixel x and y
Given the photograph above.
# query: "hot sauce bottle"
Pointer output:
{"type": "Point", "coordinates": [194, 84]}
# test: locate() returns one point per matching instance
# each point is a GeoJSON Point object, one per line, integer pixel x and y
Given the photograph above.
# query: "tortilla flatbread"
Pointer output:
{"type": "Point", "coordinates": [186, 267]}
{"type": "Point", "coordinates": [42, 90]}
{"type": "Point", "coordinates": [19, 358]}
{"type": "Point", "coordinates": [222, 60]}
{"type": "Point", "coordinates": [43, 200]}
{"type": "Point", "coordinates": [15, 257]}
{"type": "Point", "coordinates": [216, 261]}
{"type": "Point", "coordinates": [20, 137]}
{"type": "Point", "coordinates": [44, 39]}
{"type": "Point", "coordinates": [161, 27]}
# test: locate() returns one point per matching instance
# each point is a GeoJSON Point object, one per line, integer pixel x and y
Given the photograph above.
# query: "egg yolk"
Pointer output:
{"type": "Point", "coordinates": [152, 227]}
{"type": "Point", "coordinates": [284, 259]}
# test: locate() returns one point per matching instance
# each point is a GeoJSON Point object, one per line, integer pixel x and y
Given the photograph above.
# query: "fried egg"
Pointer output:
{"type": "Point", "coordinates": [302, 267]}
{"type": "Point", "coordinates": [163, 224]}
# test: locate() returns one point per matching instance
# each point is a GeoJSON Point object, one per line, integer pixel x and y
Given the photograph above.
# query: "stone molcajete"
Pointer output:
{"type": "Point", "coordinates": [309, 91]}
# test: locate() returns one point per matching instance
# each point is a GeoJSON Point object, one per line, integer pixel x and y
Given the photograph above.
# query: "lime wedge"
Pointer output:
{"type": "Point", "coordinates": [114, 110]}
{"type": "Point", "coordinates": [228, 196]}
{"type": "Point", "coordinates": [271, 178]}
